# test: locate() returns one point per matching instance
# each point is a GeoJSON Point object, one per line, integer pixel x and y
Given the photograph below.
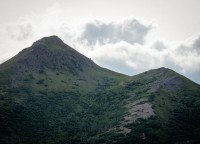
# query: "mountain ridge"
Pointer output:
{"type": "Point", "coordinates": [50, 93]}
{"type": "Point", "coordinates": [43, 44]}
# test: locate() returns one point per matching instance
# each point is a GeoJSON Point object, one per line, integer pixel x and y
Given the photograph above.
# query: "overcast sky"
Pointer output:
{"type": "Point", "coordinates": [127, 36]}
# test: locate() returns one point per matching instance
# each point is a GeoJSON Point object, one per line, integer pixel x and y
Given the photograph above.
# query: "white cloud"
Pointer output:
{"type": "Point", "coordinates": [159, 45]}
{"type": "Point", "coordinates": [196, 45]}
{"type": "Point", "coordinates": [128, 30]}
{"type": "Point", "coordinates": [20, 31]}
{"type": "Point", "coordinates": [127, 58]}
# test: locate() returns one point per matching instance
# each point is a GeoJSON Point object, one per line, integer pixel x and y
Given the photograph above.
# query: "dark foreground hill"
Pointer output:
{"type": "Point", "coordinates": [50, 93]}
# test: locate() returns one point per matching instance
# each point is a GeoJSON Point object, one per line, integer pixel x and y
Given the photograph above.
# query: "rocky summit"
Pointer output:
{"type": "Point", "coordinates": [51, 94]}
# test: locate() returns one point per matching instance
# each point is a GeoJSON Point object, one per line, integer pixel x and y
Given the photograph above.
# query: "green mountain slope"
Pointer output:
{"type": "Point", "coordinates": [50, 93]}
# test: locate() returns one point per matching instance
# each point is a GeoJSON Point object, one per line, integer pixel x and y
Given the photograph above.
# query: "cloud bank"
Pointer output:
{"type": "Point", "coordinates": [122, 46]}
{"type": "Point", "coordinates": [129, 30]}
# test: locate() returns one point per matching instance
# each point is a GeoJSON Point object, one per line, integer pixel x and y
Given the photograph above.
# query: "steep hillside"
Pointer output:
{"type": "Point", "coordinates": [50, 93]}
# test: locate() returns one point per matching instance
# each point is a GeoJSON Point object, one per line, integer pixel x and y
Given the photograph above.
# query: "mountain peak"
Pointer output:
{"type": "Point", "coordinates": [52, 40]}
{"type": "Point", "coordinates": [48, 53]}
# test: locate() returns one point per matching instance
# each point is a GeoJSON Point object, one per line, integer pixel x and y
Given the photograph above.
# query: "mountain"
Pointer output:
{"type": "Point", "coordinates": [50, 93]}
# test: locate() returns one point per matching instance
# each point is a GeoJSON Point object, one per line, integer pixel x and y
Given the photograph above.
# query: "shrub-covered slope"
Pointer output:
{"type": "Point", "coordinates": [50, 93]}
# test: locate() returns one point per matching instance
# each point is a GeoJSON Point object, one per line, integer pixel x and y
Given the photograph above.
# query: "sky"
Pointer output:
{"type": "Point", "coordinates": [127, 36]}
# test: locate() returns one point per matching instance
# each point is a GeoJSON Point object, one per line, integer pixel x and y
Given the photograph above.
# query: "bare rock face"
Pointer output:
{"type": "Point", "coordinates": [136, 110]}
